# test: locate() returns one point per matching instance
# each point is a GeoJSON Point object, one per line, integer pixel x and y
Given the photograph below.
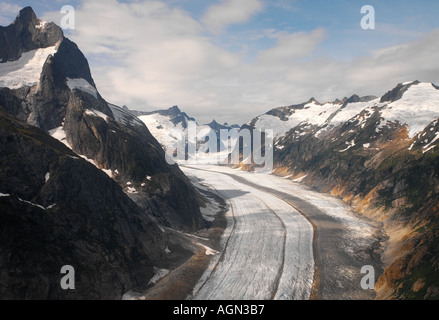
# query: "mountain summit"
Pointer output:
{"type": "Point", "coordinates": [25, 34]}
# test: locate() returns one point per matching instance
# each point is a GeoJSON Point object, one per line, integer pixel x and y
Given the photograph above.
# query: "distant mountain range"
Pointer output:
{"type": "Point", "coordinates": [377, 153]}
{"type": "Point", "coordinates": [171, 126]}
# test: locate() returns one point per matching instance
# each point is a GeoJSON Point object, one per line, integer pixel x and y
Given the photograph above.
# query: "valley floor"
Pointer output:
{"type": "Point", "coordinates": [283, 241]}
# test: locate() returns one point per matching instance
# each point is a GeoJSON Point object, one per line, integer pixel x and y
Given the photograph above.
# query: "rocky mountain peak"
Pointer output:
{"type": "Point", "coordinates": [176, 116]}
{"type": "Point", "coordinates": [175, 109]}
{"type": "Point", "coordinates": [27, 33]}
{"type": "Point", "coordinates": [215, 125]}
{"type": "Point", "coordinates": [338, 101]}
{"type": "Point", "coordinates": [397, 92]}
{"type": "Point", "coordinates": [353, 99]}
{"type": "Point", "coordinates": [26, 16]}
{"type": "Point", "coordinates": [312, 100]}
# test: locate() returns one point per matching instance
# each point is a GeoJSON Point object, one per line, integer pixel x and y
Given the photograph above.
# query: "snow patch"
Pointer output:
{"type": "Point", "coordinates": [96, 113]}
{"type": "Point", "coordinates": [131, 190]}
{"type": "Point", "coordinates": [60, 135]}
{"type": "Point", "coordinates": [430, 146]}
{"type": "Point", "coordinates": [209, 251]}
{"type": "Point", "coordinates": [124, 117]}
{"type": "Point", "coordinates": [158, 274]}
{"type": "Point", "coordinates": [26, 71]}
{"type": "Point", "coordinates": [37, 205]}
{"type": "Point", "coordinates": [312, 113]}
{"type": "Point", "coordinates": [163, 129]}
{"type": "Point", "coordinates": [82, 85]}
{"type": "Point", "coordinates": [300, 179]}
{"type": "Point", "coordinates": [350, 145]}
{"type": "Point", "coordinates": [106, 171]}
{"type": "Point", "coordinates": [32, 204]}
{"type": "Point", "coordinates": [416, 109]}
{"type": "Point", "coordinates": [41, 25]}
{"type": "Point", "coordinates": [210, 211]}
{"type": "Point", "coordinates": [4, 195]}
{"type": "Point", "coordinates": [47, 177]}
{"type": "Point", "coordinates": [353, 110]}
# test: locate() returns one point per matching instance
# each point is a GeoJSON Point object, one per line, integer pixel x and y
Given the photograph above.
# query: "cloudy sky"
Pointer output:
{"type": "Point", "coordinates": [235, 59]}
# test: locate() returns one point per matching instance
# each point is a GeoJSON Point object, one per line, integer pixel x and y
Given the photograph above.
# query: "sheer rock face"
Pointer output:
{"type": "Point", "coordinates": [66, 96]}
{"type": "Point", "coordinates": [60, 210]}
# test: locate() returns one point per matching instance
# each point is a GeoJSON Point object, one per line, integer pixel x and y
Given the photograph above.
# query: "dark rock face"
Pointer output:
{"type": "Point", "coordinates": [128, 148]}
{"type": "Point", "coordinates": [121, 144]}
{"type": "Point", "coordinates": [282, 113]}
{"type": "Point", "coordinates": [69, 62]}
{"type": "Point", "coordinates": [62, 211]}
{"type": "Point", "coordinates": [215, 126]}
{"type": "Point", "coordinates": [23, 35]}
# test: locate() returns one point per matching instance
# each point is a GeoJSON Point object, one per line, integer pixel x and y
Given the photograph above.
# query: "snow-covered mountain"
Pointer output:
{"type": "Point", "coordinates": [82, 181]}
{"type": "Point", "coordinates": [171, 127]}
{"type": "Point", "coordinates": [381, 156]}
{"type": "Point", "coordinates": [413, 105]}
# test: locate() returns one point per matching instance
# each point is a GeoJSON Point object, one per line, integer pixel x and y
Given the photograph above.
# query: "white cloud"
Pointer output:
{"type": "Point", "coordinates": [8, 12]}
{"type": "Point", "coordinates": [229, 12]}
{"type": "Point", "coordinates": [159, 56]}
{"type": "Point", "coordinates": [292, 46]}
{"type": "Point", "coordinates": [149, 55]}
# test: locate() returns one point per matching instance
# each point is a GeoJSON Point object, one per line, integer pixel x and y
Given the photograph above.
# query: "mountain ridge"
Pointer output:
{"type": "Point", "coordinates": [94, 172]}
{"type": "Point", "coordinates": [380, 156]}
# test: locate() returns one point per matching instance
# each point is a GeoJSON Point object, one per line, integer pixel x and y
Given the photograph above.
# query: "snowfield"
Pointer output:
{"type": "Point", "coordinates": [270, 244]}
{"type": "Point", "coordinates": [25, 71]}
{"type": "Point", "coordinates": [416, 109]}
{"type": "Point", "coordinates": [425, 98]}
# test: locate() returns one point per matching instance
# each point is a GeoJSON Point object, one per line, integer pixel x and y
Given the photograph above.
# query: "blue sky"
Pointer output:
{"type": "Point", "coordinates": [240, 58]}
